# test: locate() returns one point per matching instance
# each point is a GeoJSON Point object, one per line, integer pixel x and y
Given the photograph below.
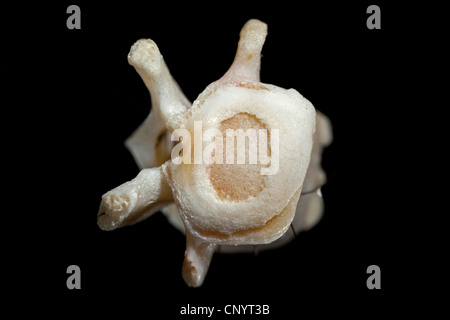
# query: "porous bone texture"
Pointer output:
{"type": "Point", "coordinates": [226, 207]}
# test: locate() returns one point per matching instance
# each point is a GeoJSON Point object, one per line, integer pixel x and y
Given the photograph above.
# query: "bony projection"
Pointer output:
{"type": "Point", "coordinates": [236, 204]}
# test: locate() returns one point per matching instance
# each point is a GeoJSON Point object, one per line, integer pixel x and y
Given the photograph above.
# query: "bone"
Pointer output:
{"type": "Point", "coordinates": [166, 95]}
{"type": "Point", "coordinates": [206, 197]}
{"type": "Point", "coordinates": [148, 144]}
{"type": "Point", "coordinates": [247, 62]}
{"type": "Point", "coordinates": [215, 206]}
{"type": "Point", "coordinates": [310, 207]}
{"type": "Point", "coordinates": [310, 204]}
{"type": "Point", "coordinates": [197, 258]}
{"type": "Point", "coordinates": [134, 200]}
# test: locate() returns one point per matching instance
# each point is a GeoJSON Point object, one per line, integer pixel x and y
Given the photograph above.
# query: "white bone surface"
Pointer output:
{"type": "Point", "coordinates": [190, 195]}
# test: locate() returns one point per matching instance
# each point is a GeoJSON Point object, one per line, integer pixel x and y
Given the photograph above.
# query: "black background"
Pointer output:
{"type": "Point", "coordinates": [93, 100]}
